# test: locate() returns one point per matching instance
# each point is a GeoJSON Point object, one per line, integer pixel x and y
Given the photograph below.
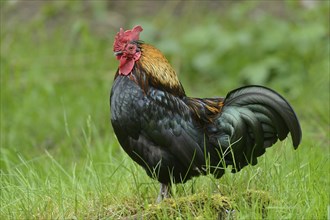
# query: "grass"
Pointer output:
{"type": "Point", "coordinates": [60, 158]}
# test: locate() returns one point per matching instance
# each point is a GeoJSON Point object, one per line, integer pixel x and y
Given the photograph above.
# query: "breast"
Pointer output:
{"type": "Point", "coordinates": [156, 131]}
{"type": "Point", "coordinates": [125, 99]}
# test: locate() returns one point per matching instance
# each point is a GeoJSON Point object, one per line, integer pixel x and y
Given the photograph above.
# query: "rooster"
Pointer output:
{"type": "Point", "coordinates": [175, 137]}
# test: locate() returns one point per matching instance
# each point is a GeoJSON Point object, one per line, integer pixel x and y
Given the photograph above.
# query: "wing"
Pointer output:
{"type": "Point", "coordinates": [252, 119]}
{"type": "Point", "coordinates": [167, 122]}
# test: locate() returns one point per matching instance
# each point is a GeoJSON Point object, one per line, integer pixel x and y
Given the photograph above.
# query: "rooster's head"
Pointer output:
{"type": "Point", "coordinates": [126, 49]}
{"type": "Point", "coordinates": [129, 50]}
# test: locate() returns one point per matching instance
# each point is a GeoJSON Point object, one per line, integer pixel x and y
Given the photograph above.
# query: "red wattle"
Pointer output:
{"type": "Point", "coordinates": [125, 66]}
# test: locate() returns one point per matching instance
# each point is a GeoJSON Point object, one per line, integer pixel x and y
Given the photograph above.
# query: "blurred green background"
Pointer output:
{"type": "Point", "coordinates": [57, 66]}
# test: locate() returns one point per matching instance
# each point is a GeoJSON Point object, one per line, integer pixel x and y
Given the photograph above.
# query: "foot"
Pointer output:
{"type": "Point", "coordinates": [164, 192]}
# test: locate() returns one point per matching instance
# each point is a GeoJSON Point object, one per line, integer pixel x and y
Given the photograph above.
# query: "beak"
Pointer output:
{"type": "Point", "coordinates": [117, 53]}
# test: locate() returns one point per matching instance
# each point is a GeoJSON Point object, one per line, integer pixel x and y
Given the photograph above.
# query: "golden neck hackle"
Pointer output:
{"type": "Point", "coordinates": [159, 69]}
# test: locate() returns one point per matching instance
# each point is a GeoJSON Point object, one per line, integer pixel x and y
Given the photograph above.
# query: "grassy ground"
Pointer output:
{"type": "Point", "coordinates": [60, 158]}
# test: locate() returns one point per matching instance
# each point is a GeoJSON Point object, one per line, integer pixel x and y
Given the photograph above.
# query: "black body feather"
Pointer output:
{"type": "Point", "coordinates": [173, 140]}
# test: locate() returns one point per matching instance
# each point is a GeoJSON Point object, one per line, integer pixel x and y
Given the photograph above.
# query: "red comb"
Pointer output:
{"type": "Point", "coordinates": [123, 37]}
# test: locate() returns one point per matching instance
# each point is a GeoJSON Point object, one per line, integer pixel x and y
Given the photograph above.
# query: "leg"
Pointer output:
{"type": "Point", "coordinates": [165, 192]}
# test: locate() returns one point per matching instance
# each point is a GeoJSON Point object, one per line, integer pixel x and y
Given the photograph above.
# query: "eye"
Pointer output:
{"type": "Point", "coordinates": [131, 46]}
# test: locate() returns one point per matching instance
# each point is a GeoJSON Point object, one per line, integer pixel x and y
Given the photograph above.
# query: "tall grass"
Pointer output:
{"type": "Point", "coordinates": [60, 158]}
